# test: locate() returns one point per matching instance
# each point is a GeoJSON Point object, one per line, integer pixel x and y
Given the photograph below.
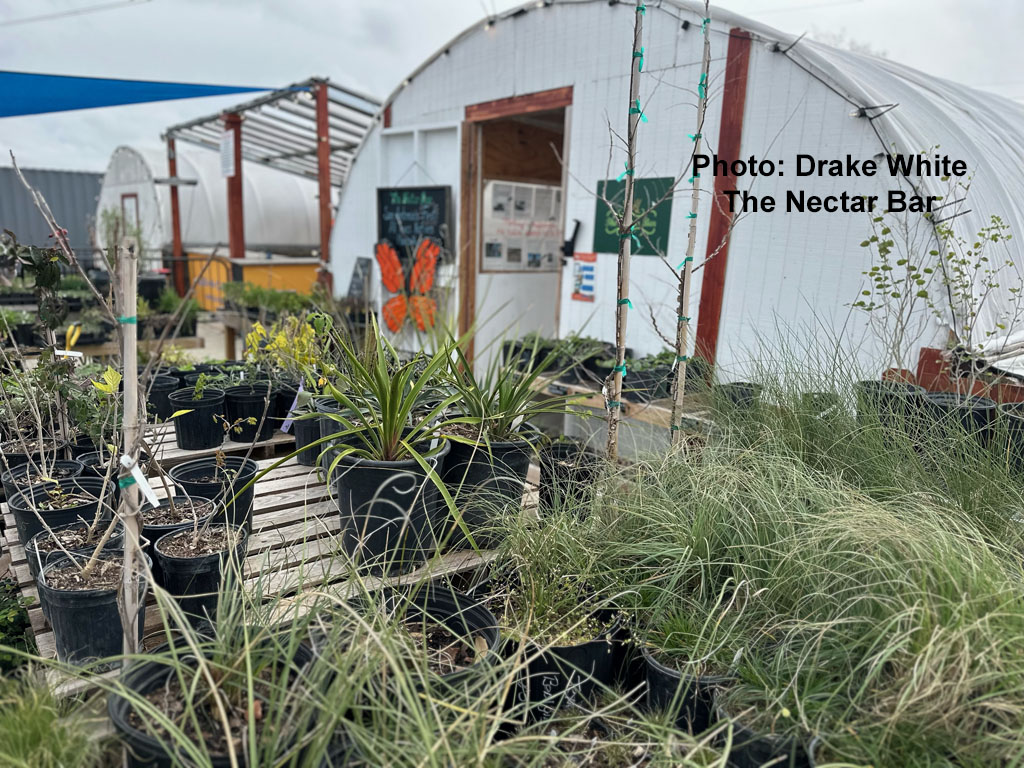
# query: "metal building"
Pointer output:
{"type": "Point", "coordinates": [71, 195]}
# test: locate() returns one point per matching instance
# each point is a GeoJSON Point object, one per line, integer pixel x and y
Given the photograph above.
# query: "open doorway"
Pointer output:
{"type": "Point", "coordinates": [513, 201]}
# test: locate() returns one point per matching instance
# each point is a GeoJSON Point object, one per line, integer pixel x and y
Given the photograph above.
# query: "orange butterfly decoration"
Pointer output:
{"type": "Point", "coordinates": [413, 302]}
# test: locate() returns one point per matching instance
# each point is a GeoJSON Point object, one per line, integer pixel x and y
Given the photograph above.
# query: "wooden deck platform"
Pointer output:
{"type": "Point", "coordinates": [293, 542]}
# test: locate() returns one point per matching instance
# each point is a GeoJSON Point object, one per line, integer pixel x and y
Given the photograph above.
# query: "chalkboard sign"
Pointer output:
{"type": "Point", "coordinates": [406, 214]}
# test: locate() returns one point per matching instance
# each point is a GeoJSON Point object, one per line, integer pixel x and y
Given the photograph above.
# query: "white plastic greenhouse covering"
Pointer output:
{"type": "Point", "coordinates": [280, 209]}
{"type": "Point", "coordinates": [791, 277]}
{"type": "Point", "coordinates": [937, 116]}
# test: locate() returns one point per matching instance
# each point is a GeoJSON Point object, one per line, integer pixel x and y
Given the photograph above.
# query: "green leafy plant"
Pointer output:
{"type": "Point", "coordinates": [500, 399]}
{"type": "Point", "coordinates": [15, 628]}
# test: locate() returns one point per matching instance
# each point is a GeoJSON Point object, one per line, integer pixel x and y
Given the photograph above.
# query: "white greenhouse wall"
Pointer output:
{"type": "Point", "coordinates": [790, 277]}
{"type": "Point", "coordinates": [280, 208]}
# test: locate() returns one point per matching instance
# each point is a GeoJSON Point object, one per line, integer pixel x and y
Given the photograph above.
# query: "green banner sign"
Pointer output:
{"type": "Point", "coordinates": [652, 229]}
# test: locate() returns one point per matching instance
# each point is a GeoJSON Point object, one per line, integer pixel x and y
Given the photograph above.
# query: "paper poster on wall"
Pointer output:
{"type": "Point", "coordinates": [584, 271]}
{"type": "Point", "coordinates": [521, 227]}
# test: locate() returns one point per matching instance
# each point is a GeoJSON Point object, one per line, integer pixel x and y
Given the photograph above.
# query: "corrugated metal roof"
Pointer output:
{"type": "Point", "coordinates": [71, 195]}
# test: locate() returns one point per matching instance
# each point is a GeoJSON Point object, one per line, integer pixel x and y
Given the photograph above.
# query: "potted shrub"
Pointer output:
{"type": "Point", "coordinates": [648, 378]}
{"type": "Point", "coordinates": [51, 505]}
{"type": "Point", "coordinates": [172, 514]}
{"type": "Point", "coordinates": [196, 423]}
{"type": "Point", "coordinates": [226, 480]}
{"type": "Point", "coordinates": [574, 353]}
{"type": "Point", "coordinates": [24, 476]}
{"type": "Point", "coordinates": [158, 396]}
{"type": "Point", "coordinates": [492, 441]}
{"type": "Point", "coordinates": [81, 600]}
{"type": "Point", "coordinates": [78, 539]}
{"type": "Point", "coordinates": [194, 562]}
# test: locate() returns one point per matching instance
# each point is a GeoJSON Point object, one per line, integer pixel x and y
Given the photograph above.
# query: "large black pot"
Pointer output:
{"type": "Point", "coordinates": [24, 506]}
{"type": "Point", "coordinates": [569, 675]}
{"type": "Point", "coordinates": [388, 511]}
{"type": "Point", "coordinates": [691, 698]}
{"type": "Point", "coordinates": [236, 511]}
{"type": "Point", "coordinates": [147, 751]}
{"type": "Point", "coordinates": [740, 395]}
{"type": "Point", "coordinates": [81, 445]}
{"type": "Point", "coordinates": [11, 451]}
{"type": "Point", "coordinates": [255, 401]}
{"type": "Point", "coordinates": [895, 405]}
{"type": "Point", "coordinates": [37, 559]}
{"type": "Point", "coordinates": [159, 396]}
{"type": "Point", "coordinates": [196, 582]}
{"type": "Point", "coordinates": [568, 471]}
{"type": "Point", "coordinates": [751, 749]}
{"type": "Point", "coordinates": [149, 533]}
{"type": "Point", "coordinates": [485, 480]}
{"type": "Point", "coordinates": [286, 393]}
{"type": "Point", "coordinates": [24, 476]}
{"type": "Point", "coordinates": [954, 412]}
{"type": "Point", "coordinates": [199, 429]}
{"type": "Point", "coordinates": [86, 623]}
{"type": "Point", "coordinates": [306, 431]}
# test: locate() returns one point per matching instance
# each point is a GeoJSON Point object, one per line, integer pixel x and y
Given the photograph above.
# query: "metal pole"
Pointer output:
{"type": "Point", "coordinates": [323, 166]}
{"type": "Point", "coordinates": [178, 266]}
{"type": "Point", "coordinates": [236, 214]}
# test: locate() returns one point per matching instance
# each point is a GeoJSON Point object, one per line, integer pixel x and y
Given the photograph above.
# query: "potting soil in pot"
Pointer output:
{"type": "Point", "coordinates": [446, 652]}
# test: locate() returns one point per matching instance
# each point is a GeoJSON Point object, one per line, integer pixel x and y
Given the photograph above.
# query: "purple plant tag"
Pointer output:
{"type": "Point", "coordinates": [286, 425]}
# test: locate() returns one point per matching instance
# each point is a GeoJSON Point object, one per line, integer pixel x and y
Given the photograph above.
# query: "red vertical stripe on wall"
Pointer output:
{"type": "Point", "coordinates": [730, 134]}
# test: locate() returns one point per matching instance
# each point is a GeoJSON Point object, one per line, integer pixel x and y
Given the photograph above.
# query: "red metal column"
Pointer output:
{"type": "Point", "coordinates": [236, 215]}
{"type": "Point", "coordinates": [730, 134]}
{"type": "Point", "coordinates": [178, 266]}
{"type": "Point", "coordinates": [323, 167]}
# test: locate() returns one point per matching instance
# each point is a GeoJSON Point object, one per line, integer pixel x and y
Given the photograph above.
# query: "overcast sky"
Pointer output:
{"type": "Point", "coordinates": [372, 45]}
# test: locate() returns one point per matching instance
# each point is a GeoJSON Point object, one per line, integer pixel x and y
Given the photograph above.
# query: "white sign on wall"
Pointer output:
{"type": "Point", "coordinates": [522, 227]}
{"type": "Point", "coordinates": [227, 154]}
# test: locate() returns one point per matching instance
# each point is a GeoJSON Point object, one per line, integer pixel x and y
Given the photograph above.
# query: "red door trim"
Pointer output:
{"type": "Point", "coordinates": [730, 135]}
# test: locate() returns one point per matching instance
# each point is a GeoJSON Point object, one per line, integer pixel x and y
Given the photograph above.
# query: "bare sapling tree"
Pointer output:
{"type": "Point", "coordinates": [626, 235]}
{"type": "Point", "coordinates": [685, 279]}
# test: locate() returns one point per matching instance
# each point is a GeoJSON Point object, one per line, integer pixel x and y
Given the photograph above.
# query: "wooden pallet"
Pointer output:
{"type": "Point", "coordinates": [160, 438]}
{"type": "Point", "coordinates": [293, 545]}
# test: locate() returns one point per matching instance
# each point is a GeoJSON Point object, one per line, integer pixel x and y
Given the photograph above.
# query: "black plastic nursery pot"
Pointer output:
{"type": "Point", "coordinates": [97, 464]}
{"type": "Point", "coordinates": [25, 506]}
{"type": "Point", "coordinates": [196, 582]}
{"type": "Point", "coordinates": [81, 445]}
{"type": "Point", "coordinates": [24, 476]}
{"type": "Point", "coordinates": [145, 750]}
{"type": "Point", "coordinates": [15, 456]}
{"type": "Point", "coordinates": [741, 395]}
{"type": "Point", "coordinates": [751, 749]}
{"type": "Point", "coordinates": [896, 405]}
{"type": "Point", "coordinates": [484, 480]}
{"type": "Point", "coordinates": [197, 368]}
{"type": "Point", "coordinates": [691, 698]}
{"type": "Point", "coordinates": [306, 431]}
{"type": "Point", "coordinates": [199, 429]}
{"type": "Point", "coordinates": [159, 396]}
{"type": "Point", "coordinates": [256, 401]}
{"type": "Point", "coordinates": [285, 394]}
{"type": "Point", "coordinates": [86, 623]}
{"type": "Point", "coordinates": [969, 413]}
{"type": "Point", "coordinates": [202, 478]}
{"type": "Point", "coordinates": [569, 675]}
{"type": "Point", "coordinates": [39, 557]}
{"type": "Point", "coordinates": [23, 334]}
{"type": "Point", "coordinates": [568, 471]}
{"type": "Point", "coordinates": [150, 532]}
{"type": "Point", "coordinates": [388, 511]}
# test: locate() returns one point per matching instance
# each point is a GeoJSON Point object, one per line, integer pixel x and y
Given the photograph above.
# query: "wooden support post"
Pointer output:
{"type": "Point", "coordinates": [127, 267]}
{"type": "Point", "coordinates": [236, 214]}
{"type": "Point", "coordinates": [323, 171]}
{"type": "Point", "coordinates": [178, 267]}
